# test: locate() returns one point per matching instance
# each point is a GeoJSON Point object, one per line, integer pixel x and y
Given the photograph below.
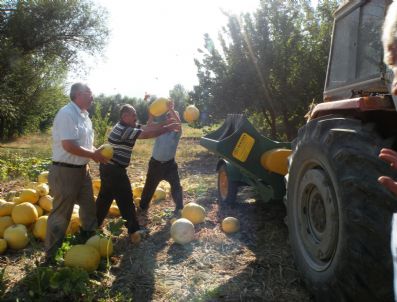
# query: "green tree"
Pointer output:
{"type": "Point", "coordinates": [180, 97]}
{"type": "Point", "coordinates": [40, 41]}
{"type": "Point", "coordinates": [271, 63]}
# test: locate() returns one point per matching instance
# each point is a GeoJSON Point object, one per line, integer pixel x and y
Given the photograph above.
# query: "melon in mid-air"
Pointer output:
{"type": "Point", "coordinates": [191, 114]}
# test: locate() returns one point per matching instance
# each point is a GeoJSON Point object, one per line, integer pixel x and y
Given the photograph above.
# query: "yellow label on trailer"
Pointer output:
{"type": "Point", "coordinates": [243, 147]}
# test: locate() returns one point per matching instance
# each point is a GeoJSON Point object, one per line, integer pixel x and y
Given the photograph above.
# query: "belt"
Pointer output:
{"type": "Point", "coordinates": [162, 162]}
{"type": "Point", "coordinates": [57, 163]}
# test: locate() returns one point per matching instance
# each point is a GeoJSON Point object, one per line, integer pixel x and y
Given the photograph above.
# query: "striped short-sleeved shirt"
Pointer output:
{"type": "Point", "coordinates": [122, 138]}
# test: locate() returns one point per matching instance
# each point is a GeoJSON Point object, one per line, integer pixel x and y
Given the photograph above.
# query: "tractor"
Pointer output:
{"type": "Point", "coordinates": [338, 215]}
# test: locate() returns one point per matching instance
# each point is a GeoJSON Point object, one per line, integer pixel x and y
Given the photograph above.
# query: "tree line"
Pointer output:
{"type": "Point", "coordinates": [269, 64]}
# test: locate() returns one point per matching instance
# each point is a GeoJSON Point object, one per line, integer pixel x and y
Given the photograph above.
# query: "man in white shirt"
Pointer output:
{"type": "Point", "coordinates": [69, 177]}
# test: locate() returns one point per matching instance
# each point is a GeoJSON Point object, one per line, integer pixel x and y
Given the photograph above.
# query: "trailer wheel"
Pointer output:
{"type": "Point", "coordinates": [338, 215]}
{"type": "Point", "coordinates": [227, 189]}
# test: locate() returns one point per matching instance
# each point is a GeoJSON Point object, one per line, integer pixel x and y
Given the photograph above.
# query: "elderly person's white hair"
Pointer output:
{"type": "Point", "coordinates": [389, 36]}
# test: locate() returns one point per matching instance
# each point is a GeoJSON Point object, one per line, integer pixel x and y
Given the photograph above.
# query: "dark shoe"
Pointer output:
{"type": "Point", "coordinates": [177, 213]}
{"type": "Point", "coordinates": [47, 261]}
{"type": "Point", "coordinates": [83, 236]}
{"type": "Point", "coordinates": [142, 212]}
{"type": "Point", "coordinates": [137, 236]}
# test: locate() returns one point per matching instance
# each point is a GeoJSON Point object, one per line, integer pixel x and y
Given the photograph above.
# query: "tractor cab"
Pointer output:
{"type": "Point", "coordinates": [355, 66]}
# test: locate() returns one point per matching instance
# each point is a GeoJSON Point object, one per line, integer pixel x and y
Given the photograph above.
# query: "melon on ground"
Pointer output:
{"type": "Point", "coordinates": [40, 228]}
{"type": "Point", "coordinates": [24, 213]}
{"type": "Point", "coordinates": [6, 208]}
{"type": "Point", "coordinates": [74, 224]}
{"type": "Point", "coordinates": [45, 202]}
{"type": "Point", "coordinates": [83, 256]}
{"type": "Point", "coordinates": [230, 225]}
{"type": "Point", "coordinates": [159, 194]}
{"type": "Point", "coordinates": [137, 191]}
{"type": "Point", "coordinates": [114, 210]}
{"type": "Point", "coordinates": [193, 212]}
{"type": "Point", "coordinates": [43, 189]}
{"type": "Point", "coordinates": [3, 246]}
{"type": "Point", "coordinates": [29, 195]}
{"type": "Point", "coordinates": [182, 231]}
{"type": "Point", "coordinates": [5, 222]}
{"type": "Point", "coordinates": [16, 236]}
{"type": "Point", "coordinates": [102, 244]}
{"type": "Point", "coordinates": [43, 177]}
{"type": "Point", "coordinates": [40, 210]}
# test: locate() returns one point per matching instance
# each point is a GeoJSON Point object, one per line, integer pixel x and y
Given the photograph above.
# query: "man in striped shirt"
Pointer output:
{"type": "Point", "coordinates": [115, 183]}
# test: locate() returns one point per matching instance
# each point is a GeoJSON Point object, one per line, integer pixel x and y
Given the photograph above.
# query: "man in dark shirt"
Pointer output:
{"type": "Point", "coordinates": [115, 183]}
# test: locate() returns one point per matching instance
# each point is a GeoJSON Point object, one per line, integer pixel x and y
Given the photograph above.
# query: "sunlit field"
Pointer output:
{"type": "Point", "coordinates": [253, 264]}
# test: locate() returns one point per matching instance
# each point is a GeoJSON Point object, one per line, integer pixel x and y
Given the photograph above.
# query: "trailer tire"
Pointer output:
{"type": "Point", "coordinates": [338, 215]}
{"type": "Point", "coordinates": [227, 189]}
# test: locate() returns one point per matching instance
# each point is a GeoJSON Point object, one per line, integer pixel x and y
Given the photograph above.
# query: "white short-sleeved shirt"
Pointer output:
{"type": "Point", "coordinates": [71, 123]}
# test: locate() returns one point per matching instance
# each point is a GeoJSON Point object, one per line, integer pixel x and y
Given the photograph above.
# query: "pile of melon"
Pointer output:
{"type": "Point", "coordinates": [182, 229]}
{"type": "Point", "coordinates": [26, 211]}
{"type": "Point", "coordinates": [137, 188]}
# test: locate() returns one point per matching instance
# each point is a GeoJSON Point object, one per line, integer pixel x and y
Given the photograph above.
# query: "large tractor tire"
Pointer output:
{"type": "Point", "coordinates": [338, 215]}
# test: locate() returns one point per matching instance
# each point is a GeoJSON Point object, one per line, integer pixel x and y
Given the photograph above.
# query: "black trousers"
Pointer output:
{"type": "Point", "coordinates": [115, 184]}
{"type": "Point", "coordinates": [158, 171]}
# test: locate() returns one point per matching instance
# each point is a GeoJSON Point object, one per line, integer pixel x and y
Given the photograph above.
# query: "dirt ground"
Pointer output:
{"type": "Point", "coordinates": [254, 264]}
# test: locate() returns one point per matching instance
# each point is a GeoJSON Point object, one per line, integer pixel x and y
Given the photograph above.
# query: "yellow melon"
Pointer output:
{"type": "Point", "coordinates": [45, 202]}
{"type": "Point", "coordinates": [193, 212]}
{"type": "Point", "coordinates": [32, 185]}
{"type": "Point", "coordinates": [43, 189]}
{"type": "Point", "coordinates": [24, 213]}
{"type": "Point", "coordinates": [3, 246]}
{"type": "Point", "coordinates": [16, 236]}
{"type": "Point", "coordinates": [29, 195]}
{"type": "Point", "coordinates": [96, 183]}
{"type": "Point", "coordinates": [137, 202]}
{"type": "Point", "coordinates": [16, 200]}
{"type": "Point", "coordinates": [137, 191]}
{"type": "Point", "coordinates": [40, 228]}
{"type": "Point", "coordinates": [6, 208]}
{"type": "Point", "coordinates": [159, 107]}
{"type": "Point", "coordinates": [159, 194]}
{"type": "Point", "coordinates": [102, 244]}
{"type": "Point", "coordinates": [43, 177]}
{"type": "Point", "coordinates": [2, 201]}
{"type": "Point", "coordinates": [74, 224]}
{"type": "Point", "coordinates": [83, 256]}
{"type": "Point", "coordinates": [106, 151]}
{"type": "Point", "coordinates": [191, 114]}
{"type": "Point", "coordinates": [230, 225]}
{"type": "Point", "coordinates": [40, 211]}
{"type": "Point", "coordinates": [114, 210]}
{"type": "Point", "coordinates": [182, 231]}
{"type": "Point", "coordinates": [5, 222]}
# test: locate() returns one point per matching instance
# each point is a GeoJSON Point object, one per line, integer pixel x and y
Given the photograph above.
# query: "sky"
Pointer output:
{"type": "Point", "coordinates": [153, 44]}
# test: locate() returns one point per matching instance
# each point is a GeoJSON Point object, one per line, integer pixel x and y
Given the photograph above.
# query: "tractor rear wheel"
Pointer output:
{"type": "Point", "coordinates": [338, 215]}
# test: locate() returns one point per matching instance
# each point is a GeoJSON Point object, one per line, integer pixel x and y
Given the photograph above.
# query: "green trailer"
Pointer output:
{"type": "Point", "coordinates": [247, 158]}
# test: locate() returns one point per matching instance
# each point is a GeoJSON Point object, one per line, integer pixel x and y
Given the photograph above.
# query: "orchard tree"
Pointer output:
{"type": "Point", "coordinates": [40, 41]}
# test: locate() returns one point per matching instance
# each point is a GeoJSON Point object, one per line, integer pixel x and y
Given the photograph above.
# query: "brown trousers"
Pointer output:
{"type": "Point", "coordinates": [69, 186]}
